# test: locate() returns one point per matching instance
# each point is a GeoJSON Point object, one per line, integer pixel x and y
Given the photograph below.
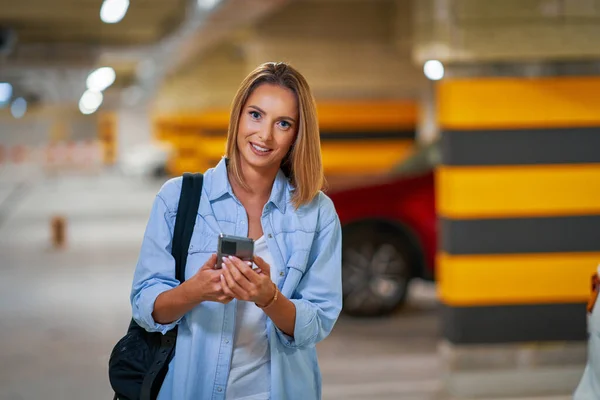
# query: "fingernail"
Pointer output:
{"type": "Point", "coordinates": [224, 266]}
{"type": "Point", "coordinates": [249, 263]}
{"type": "Point", "coordinates": [225, 258]}
{"type": "Point", "coordinates": [231, 257]}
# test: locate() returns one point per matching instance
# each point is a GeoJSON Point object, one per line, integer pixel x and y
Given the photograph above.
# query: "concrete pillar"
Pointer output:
{"type": "Point", "coordinates": [518, 199]}
{"type": "Point", "coordinates": [427, 124]}
{"type": "Point", "coordinates": [517, 190]}
{"type": "Point", "coordinates": [133, 128]}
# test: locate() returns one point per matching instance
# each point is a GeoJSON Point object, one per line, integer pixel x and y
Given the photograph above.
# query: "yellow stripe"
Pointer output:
{"type": "Point", "coordinates": [376, 115]}
{"type": "Point", "coordinates": [367, 115]}
{"type": "Point", "coordinates": [515, 279]}
{"type": "Point", "coordinates": [516, 191]}
{"type": "Point", "coordinates": [519, 102]}
{"type": "Point", "coordinates": [364, 156]}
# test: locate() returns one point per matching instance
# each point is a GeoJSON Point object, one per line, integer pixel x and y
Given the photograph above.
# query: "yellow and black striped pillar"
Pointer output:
{"type": "Point", "coordinates": [519, 207]}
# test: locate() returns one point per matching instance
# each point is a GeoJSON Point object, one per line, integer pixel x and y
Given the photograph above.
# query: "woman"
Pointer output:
{"type": "Point", "coordinates": [246, 334]}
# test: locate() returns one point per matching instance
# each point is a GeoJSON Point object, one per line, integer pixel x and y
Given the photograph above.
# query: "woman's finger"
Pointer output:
{"type": "Point", "coordinates": [237, 290]}
{"type": "Point", "coordinates": [262, 264]}
{"type": "Point", "coordinates": [225, 287]}
{"type": "Point", "coordinates": [235, 266]}
{"type": "Point", "coordinates": [246, 270]}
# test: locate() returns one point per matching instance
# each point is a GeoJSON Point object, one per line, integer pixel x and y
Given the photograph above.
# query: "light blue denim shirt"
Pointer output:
{"type": "Point", "coordinates": [306, 248]}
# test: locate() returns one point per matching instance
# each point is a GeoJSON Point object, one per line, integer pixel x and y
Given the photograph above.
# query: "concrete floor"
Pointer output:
{"type": "Point", "coordinates": [62, 311]}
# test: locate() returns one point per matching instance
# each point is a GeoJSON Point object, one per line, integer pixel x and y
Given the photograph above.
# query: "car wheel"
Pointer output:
{"type": "Point", "coordinates": [376, 269]}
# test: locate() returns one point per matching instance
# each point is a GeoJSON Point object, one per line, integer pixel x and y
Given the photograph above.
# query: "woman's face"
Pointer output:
{"type": "Point", "coordinates": [267, 126]}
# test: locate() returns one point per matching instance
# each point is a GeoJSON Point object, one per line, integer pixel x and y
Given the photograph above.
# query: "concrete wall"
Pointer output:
{"type": "Point", "coordinates": [475, 30]}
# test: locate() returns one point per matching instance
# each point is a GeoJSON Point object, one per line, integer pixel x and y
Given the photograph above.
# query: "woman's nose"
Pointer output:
{"type": "Point", "coordinates": [266, 133]}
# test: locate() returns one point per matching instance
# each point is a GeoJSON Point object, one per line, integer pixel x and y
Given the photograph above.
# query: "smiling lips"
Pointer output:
{"type": "Point", "coordinates": [259, 150]}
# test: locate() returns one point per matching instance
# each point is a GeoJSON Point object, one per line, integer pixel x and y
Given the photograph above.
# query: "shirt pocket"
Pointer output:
{"type": "Point", "coordinates": [202, 246]}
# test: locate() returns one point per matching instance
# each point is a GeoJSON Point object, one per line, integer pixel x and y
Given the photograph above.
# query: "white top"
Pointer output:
{"type": "Point", "coordinates": [250, 374]}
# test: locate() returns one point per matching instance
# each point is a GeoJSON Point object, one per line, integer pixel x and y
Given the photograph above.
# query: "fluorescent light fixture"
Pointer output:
{"type": "Point", "coordinates": [18, 107]}
{"type": "Point", "coordinates": [90, 101]}
{"type": "Point", "coordinates": [113, 11]}
{"type": "Point", "coordinates": [100, 79]}
{"type": "Point", "coordinates": [207, 4]}
{"type": "Point", "coordinates": [434, 70]}
{"type": "Point", "coordinates": [5, 92]}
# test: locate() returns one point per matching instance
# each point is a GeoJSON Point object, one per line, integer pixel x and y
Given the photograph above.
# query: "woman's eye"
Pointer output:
{"type": "Point", "coordinates": [254, 114]}
{"type": "Point", "coordinates": [284, 124]}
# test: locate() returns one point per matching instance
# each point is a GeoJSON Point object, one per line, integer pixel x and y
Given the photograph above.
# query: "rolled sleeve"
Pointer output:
{"type": "Point", "coordinates": [318, 297]}
{"type": "Point", "coordinates": [305, 331]}
{"type": "Point", "coordinates": [155, 269]}
{"type": "Point", "coordinates": [144, 307]}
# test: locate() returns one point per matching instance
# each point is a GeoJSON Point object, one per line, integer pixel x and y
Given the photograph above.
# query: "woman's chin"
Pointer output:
{"type": "Point", "coordinates": [261, 161]}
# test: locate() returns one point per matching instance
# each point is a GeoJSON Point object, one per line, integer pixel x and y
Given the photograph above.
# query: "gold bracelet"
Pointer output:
{"type": "Point", "coordinates": [269, 304]}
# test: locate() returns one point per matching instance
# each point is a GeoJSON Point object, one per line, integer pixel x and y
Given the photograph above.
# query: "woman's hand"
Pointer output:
{"type": "Point", "coordinates": [239, 280]}
{"type": "Point", "coordinates": [205, 284]}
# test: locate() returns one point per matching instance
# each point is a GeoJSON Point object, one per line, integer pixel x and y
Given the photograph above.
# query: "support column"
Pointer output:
{"type": "Point", "coordinates": [129, 127]}
{"type": "Point", "coordinates": [427, 125]}
{"type": "Point", "coordinates": [519, 209]}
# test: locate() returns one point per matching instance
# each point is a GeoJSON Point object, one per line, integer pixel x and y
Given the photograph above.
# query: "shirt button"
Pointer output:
{"type": "Point", "coordinates": [281, 273]}
{"type": "Point", "coordinates": [270, 236]}
{"type": "Point", "coordinates": [219, 390]}
{"type": "Point", "coordinates": [226, 341]}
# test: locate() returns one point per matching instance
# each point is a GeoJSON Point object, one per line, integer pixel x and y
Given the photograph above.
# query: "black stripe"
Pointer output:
{"type": "Point", "coordinates": [518, 323]}
{"type": "Point", "coordinates": [520, 235]}
{"type": "Point", "coordinates": [366, 135]}
{"type": "Point", "coordinates": [521, 147]}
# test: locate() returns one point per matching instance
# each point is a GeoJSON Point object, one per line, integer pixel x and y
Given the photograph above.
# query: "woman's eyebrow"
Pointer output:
{"type": "Point", "coordinates": [257, 108]}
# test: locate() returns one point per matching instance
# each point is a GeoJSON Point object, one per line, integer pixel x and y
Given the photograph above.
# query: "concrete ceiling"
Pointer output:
{"type": "Point", "coordinates": [48, 47]}
{"type": "Point", "coordinates": [58, 43]}
{"type": "Point", "coordinates": [78, 21]}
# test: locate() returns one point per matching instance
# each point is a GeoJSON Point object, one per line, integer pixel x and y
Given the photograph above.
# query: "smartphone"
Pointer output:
{"type": "Point", "coordinates": [240, 247]}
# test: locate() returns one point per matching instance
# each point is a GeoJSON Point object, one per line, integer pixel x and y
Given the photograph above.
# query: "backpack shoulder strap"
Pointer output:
{"type": "Point", "coordinates": [187, 210]}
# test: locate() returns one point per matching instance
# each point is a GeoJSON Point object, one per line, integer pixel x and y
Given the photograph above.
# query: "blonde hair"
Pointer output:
{"type": "Point", "coordinates": [302, 165]}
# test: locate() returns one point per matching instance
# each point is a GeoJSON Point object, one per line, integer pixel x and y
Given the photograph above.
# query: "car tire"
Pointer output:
{"type": "Point", "coordinates": [376, 268]}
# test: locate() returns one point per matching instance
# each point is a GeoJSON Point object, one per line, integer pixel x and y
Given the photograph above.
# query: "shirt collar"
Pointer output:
{"type": "Point", "coordinates": [219, 186]}
{"type": "Point", "coordinates": [280, 190]}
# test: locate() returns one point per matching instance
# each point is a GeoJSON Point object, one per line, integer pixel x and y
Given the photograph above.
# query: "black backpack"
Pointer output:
{"type": "Point", "coordinates": [139, 362]}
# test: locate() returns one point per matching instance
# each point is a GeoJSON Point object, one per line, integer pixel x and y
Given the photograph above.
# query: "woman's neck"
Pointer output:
{"type": "Point", "coordinates": [260, 183]}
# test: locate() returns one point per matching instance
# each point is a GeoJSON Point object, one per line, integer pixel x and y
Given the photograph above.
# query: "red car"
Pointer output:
{"type": "Point", "coordinates": [389, 235]}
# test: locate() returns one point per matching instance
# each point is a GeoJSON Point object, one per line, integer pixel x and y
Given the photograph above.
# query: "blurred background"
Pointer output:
{"type": "Point", "coordinates": [460, 140]}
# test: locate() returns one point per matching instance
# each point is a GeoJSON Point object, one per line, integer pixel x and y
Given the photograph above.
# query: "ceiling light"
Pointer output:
{"type": "Point", "coordinates": [90, 101]}
{"type": "Point", "coordinates": [85, 111]}
{"type": "Point", "coordinates": [18, 107]}
{"type": "Point", "coordinates": [100, 79]}
{"type": "Point", "coordinates": [207, 4]}
{"type": "Point", "coordinates": [5, 92]}
{"type": "Point", "coordinates": [433, 70]}
{"type": "Point", "coordinates": [113, 11]}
